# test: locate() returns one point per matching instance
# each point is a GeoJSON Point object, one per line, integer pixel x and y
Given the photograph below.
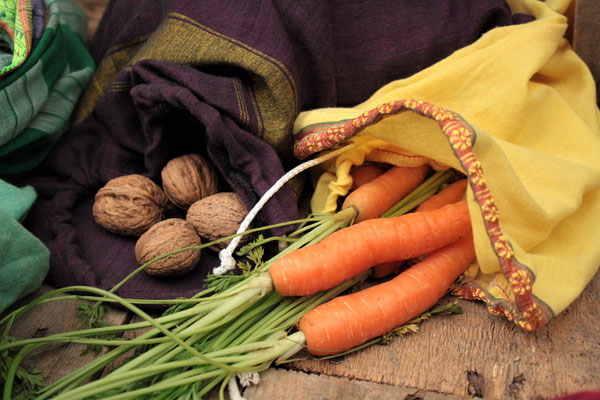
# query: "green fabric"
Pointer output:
{"type": "Point", "coordinates": [24, 262]}
{"type": "Point", "coordinates": [37, 99]}
{"type": "Point", "coordinates": [16, 202]}
{"type": "Point", "coordinates": [36, 102]}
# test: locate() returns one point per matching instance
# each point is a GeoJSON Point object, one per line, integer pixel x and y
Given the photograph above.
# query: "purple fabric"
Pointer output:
{"type": "Point", "coordinates": [38, 20]}
{"type": "Point", "coordinates": [337, 53]}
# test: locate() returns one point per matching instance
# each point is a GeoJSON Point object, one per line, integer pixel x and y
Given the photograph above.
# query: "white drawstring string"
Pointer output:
{"type": "Point", "coordinates": [226, 255]}
{"type": "Point", "coordinates": [246, 379]}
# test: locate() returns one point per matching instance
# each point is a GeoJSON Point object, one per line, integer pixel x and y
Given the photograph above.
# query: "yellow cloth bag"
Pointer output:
{"type": "Point", "coordinates": [516, 113]}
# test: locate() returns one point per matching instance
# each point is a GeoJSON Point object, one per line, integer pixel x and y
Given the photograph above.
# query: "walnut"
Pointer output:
{"type": "Point", "coordinates": [164, 237]}
{"type": "Point", "coordinates": [187, 179]}
{"type": "Point", "coordinates": [129, 205]}
{"type": "Point", "coordinates": [218, 216]}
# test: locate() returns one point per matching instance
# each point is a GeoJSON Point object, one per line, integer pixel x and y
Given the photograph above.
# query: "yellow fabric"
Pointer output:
{"type": "Point", "coordinates": [333, 177]}
{"type": "Point", "coordinates": [531, 101]}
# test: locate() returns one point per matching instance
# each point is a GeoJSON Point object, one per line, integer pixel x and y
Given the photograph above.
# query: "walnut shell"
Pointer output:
{"type": "Point", "coordinates": [129, 205]}
{"type": "Point", "coordinates": [218, 216]}
{"type": "Point", "coordinates": [187, 179]}
{"type": "Point", "coordinates": [164, 237]}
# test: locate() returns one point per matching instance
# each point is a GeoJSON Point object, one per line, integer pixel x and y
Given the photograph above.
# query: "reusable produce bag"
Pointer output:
{"type": "Point", "coordinates": [516, 113]}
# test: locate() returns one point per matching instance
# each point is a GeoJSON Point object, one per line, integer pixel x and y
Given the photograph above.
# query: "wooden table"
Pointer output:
{"type": "Point", "coordinates": [473, 354]}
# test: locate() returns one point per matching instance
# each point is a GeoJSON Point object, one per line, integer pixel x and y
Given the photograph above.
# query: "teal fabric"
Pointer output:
{"type": "Point", "coordinates": [16, 201]}
{"type": "Point", "coordinates": [24, 262]}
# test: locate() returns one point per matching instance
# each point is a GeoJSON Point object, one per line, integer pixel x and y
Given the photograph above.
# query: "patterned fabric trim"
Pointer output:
{"type": "Point", "coordinates": [527, 311]}
{"type": "Point", "coordinates": [15, 19]}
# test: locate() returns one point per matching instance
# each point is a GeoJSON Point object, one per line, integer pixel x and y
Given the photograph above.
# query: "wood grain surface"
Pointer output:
{"type": "Point", "coordinates": [57, 360]}
{"type": "Point", "coordinates": [94, 9]}
{"type": "Point", "coordinates": [471, 355]}
{"type": "Point", "coordinates": [294, 385]}
{"type": "Point", "coordinates": [586, 36]}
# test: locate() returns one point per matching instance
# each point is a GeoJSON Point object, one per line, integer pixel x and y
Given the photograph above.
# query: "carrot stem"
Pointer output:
{"type": "Point", "coordinates": [424, 191]}
{"type": "Point", "coordinates": [227, 355]}
{"type": "Point", "coordinates": [250, 318]}
{"type": "Point", "coordinates": [176, 318]}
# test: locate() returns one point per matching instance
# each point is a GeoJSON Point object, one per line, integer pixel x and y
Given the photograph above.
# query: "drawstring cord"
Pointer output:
{"type": "Point", "coordinates": [226, 255]}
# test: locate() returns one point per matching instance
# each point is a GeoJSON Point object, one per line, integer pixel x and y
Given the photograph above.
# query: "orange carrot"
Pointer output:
{"type": "Point", "coordinates": [354, 249]}
{"type": "Point", "coordinates": [364, 173]}
{"type": "Point", "coordinates": [351, 320]}
{"type": "Point", "coordinates": [450, 194]}
{"type": "Point", "coordinates": [376, 197]}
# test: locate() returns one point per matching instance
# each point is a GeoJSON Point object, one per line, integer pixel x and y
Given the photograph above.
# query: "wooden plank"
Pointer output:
{"type": "Point", "coordinates": [126, 335]}
{"type": "Point", "coordinates": [94, 9]}
{"type": "Point", "coordinates": [57, 360]}
{"type": "Point", "coordinates": [293, 385]}
{"type": "Point", "coordinates": [586, 36]}
{"type": "Point", "coordinates": [482, 355]}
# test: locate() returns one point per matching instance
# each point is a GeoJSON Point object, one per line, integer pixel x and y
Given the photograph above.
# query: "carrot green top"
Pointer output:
{"type": "Point", "coordinates": [515, 112]}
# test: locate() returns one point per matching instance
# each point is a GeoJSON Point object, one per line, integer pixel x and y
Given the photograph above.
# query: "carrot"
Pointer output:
{"type": "Point", "coordinates": [352, 250]}
{"type": "Point", "coordinates": [450, 194]}
{"type": "Point", "coordinates": [376, 197]}
{"type": "Point", "coordinates": [365, 173]}
{"type": "Point", "coordinates": [351, 320]}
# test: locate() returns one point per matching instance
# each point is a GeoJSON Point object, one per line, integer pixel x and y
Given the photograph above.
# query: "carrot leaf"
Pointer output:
{"type": "Point", "coordinates": [414, 324]}
{"type": "Point", "coordinates": [421, 193]}
{"type": "Point", "coordinates": [91, 317]}
{"type": "Point", "coordinates": [254, 260]}
{"type": "Point", "coordinates": [28, 380]}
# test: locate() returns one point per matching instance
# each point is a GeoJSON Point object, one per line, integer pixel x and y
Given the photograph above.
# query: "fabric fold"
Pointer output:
{"type": "Point", "coordinates": [25, 259]}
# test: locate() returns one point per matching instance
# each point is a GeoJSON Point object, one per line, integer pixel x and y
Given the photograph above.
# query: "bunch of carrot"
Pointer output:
{"type": "Point", "coordinates": [244, 326]}
{"type": "Point", "coordinates": [440, 228]}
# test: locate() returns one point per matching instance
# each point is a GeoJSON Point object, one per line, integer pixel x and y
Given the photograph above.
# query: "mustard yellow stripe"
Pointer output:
{"type": "Point", "coordinates": [119, 56]}
{"type": "Point", "coordinates": [260, 128]}
{"type": "Point", "coordinates": [242, 109]}
{"type": "Point", "coordinates": [249, 48]}
{"type": "Point", "coordinates": [122, 46]}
